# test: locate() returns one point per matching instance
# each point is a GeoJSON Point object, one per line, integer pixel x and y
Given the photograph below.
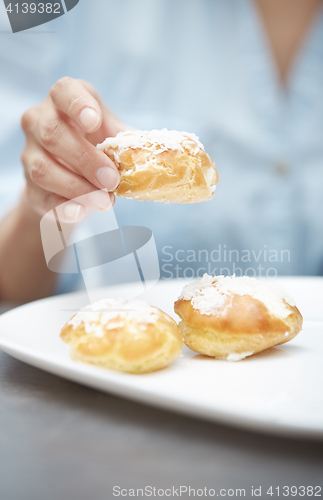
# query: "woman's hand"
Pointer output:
{"type": "Point", "coordinates": [60, 159]}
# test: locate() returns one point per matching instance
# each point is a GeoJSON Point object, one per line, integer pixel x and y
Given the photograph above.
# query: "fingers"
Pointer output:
{"type": "Point", "coordinates": [50, 175]}
{"type": "Point", "coordinates": [60, 158]}
{"type": "Point", "coordinates": [63, 141]}
{"type": "Point", "coordinates": [111, 123]}
{"type": "Point", "coordinates": [52, 184]}
{"type": "Point", "coordinates": [72, 98]}
{"type": "Point", "coordinates": [44, 201]}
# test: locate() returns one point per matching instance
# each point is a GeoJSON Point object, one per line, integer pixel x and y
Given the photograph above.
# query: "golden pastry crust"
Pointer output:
{"type": "Point", "coordinates": [242, 326]}
{"type": "Point", "coordinates": [124, 341]}
{"type": "Point", "coordinates": [161, 165]}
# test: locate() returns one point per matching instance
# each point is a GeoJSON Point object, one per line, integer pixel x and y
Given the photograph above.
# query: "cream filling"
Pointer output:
{"type": "Point", "coordinates": [210, 178]}
{"type": "Point", "coordinates": [234, 356]}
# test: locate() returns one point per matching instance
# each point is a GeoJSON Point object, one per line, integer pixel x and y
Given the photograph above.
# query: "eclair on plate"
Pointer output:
{"type": "Point", "coordinates": [129, 336]}
{"type": "Point", "coordinates": [234, 317]}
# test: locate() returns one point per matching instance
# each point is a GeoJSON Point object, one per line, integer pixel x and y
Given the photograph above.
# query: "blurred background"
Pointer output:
{"type": "Point", "coordinates": [213, 68]}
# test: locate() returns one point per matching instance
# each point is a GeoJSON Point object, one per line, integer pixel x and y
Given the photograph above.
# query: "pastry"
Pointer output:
{"type": "Point", "coordinates": [125, 336]}
{"type": "Point", "coordinates": [162, 165]}
{"type": "Point", "coordinates": [234, 317]}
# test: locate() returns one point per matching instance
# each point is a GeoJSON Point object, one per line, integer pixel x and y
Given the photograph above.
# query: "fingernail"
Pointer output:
{"type": "Point", "coordinates": [101, 199]}
{"type": "Point", "coordinates": [72, 210]}
{"type": "Point", "coordinates": [108, 177]}
{"type": "Point", "coordinates": [89, 118]}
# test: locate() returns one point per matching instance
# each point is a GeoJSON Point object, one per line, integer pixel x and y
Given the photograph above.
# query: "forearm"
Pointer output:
{"type": "Point", "coordinates": [24, 275]}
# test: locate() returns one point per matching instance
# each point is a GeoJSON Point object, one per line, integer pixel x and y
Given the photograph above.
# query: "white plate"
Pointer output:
{"type": "Point", "coordinates": [277, 391]}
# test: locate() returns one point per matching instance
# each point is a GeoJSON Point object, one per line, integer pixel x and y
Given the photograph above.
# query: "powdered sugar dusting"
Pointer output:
{"type": "Point", "coordinates": [209, 294]}
{"type": "Point", "coordinates": [100, 314]}
{"type": "Point", "coordinates": [153, 140]}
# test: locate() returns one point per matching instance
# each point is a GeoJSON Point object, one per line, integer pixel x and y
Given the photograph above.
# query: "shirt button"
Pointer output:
{"type": "Point", "coordinates": [281, 168]}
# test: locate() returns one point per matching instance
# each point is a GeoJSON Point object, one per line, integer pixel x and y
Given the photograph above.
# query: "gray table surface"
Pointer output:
{"type": "Point", "coordinates": [60, 440]}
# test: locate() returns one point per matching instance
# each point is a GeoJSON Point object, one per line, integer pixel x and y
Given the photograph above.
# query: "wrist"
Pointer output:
{"type": "Point", "coordinates": [26, 213]}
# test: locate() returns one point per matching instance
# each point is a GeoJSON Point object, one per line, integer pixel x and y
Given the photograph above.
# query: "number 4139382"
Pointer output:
{"type": "Point", "coordinates": [293, 491]}
{"type": "Point", "coordinates": [33, 8]}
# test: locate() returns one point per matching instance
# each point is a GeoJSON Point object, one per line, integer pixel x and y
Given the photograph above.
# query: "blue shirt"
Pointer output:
{"type": "Point", "coordinates": [203, 67]}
